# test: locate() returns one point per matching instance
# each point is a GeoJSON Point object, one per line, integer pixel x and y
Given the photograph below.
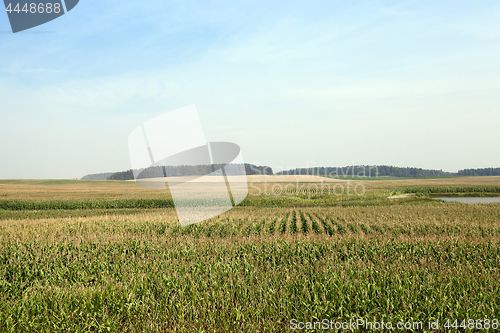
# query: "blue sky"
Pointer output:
{"type": "Point", "coordinates": [322, 83]}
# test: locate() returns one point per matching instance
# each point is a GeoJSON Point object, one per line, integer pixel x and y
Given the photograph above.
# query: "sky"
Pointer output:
{"type": "Point", "coordinates": [293, 83]}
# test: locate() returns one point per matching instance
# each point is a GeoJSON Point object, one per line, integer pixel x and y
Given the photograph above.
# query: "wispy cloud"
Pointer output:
{"type": "Point", "coordinates": [283, 79]}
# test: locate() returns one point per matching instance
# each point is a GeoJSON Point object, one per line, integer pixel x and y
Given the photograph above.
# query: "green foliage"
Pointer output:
{"type": "Point", "coordinates": [72, 204]}
{"type": "Point", "coordinates": [127, 266]}
{"type": "Point", "coordinates": [184, 170]}
{"type": "Point", "coordinates": [480, 172]}
{"type": "Point", "coordinates": [293, 223]}
{"type": "Point", "coordinates": [453, 190]}
{"type": "Point", "coordinates": [151, 276]}
{"type": "Point", "coordinates": [282, 227]}
{"type": "Point", "coordinates": [367, 171]}
{"type": "Point", "coordinates": [303, 222]}
{"type": "Point", "coordinates": [97, 176]}
{"type": "Point", "coordinates": [74, 213]}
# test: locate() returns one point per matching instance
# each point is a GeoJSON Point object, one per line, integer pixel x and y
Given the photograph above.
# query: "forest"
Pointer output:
{"type": "Point", "coordinates": [186, 170]}
{"type": "Point", "coordinates": [348, 171]}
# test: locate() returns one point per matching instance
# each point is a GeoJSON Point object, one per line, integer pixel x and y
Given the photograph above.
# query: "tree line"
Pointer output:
{"type": "Point", "coordinates": [386, 171]}
{"type": "Point", "coordinates": [348, 171]}
{"type": "Point", "coordinates": [97, 176]}
{"type": "Point", "coordinates": [188, 170]}
{"type": "Point", "coordinates": [366, 171]}
{"type": "Point", "coordinates": [480, 172]}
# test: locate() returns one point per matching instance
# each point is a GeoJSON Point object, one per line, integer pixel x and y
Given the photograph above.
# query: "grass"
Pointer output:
{"type": "Point", "coordinates": [61, 213]}
{"type": "Point", "coordinates": [23, 205]}
{"type": "Point", "coordinates": [456, 191]}
{"type": "Point", "coordinates": [252, 269]}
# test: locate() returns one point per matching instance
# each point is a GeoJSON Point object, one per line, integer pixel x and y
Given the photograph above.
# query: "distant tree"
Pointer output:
{"type": "Point", "coordinates": [366, 171]}
{"type": "Point", "coordinates": [480, 172]}
{"type": "Point", "coordinates": [97, 176]}
{"type": "Point", "coordinates": [186, 170]}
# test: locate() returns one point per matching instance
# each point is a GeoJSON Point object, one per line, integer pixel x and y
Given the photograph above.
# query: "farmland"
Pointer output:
{"type": "Point", "coordinates": [109, 256]}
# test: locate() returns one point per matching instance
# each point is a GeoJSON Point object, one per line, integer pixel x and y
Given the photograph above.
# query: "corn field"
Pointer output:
{"type": "Point", "coordinates": [250, 270]}
{"type": "Point", "coordinates": [108, 257]}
